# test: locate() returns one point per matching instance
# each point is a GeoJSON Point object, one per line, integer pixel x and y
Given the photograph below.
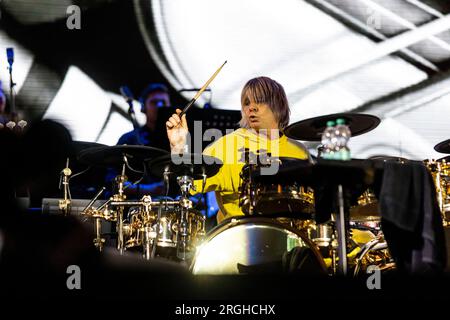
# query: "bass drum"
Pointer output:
{"type": "Point", "coordinates": [256, 245]}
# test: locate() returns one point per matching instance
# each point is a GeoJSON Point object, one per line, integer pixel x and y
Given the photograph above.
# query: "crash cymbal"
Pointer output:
{"type": "Point", "coordinates": [191, 164]}
{"type": "Point", "coordinates": [443, 147]}
{"type": "Point", "coordinates": [311, 129]}
{"type": "Point", "coordinates": [114, 155]}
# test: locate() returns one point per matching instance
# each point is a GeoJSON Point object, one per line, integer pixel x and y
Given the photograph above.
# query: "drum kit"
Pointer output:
{"type": "Point", "coordinates": [283, 226]}
{"type": "Point", "coordinates": [149, 223]}
{"type": "Point", "coordinates": [440, 171]}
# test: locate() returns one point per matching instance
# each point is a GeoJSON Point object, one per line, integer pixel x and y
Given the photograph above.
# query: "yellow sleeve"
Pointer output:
{"type": "Point", "coordinates": [216, 182]}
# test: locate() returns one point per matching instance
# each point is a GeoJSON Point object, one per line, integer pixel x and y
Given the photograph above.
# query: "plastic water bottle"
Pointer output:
{"type": "Point", "coordinates": [328, 141]}
{"type": "Point", "coordinates": [342, 135]}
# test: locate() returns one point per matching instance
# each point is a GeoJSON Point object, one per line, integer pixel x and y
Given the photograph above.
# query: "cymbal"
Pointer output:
{"type": "Point", "coordinates": [190, 164]}
{"type": "Point", "coordinates": [80, 146]}
{"type": "Point", "coordinates": [443, 147]}
{"type": "Point", "coordinates": [311, 129]}
{"type": "Point", "coordinates": [114, 155]}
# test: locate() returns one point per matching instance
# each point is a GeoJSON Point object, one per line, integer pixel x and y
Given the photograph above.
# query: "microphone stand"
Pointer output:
{"type": "Point", "coordinates": [13, 114]}
{"type": "Point", "coordinates": [134, 121]}
{"type": "Point", "coordinates": [11, 95]}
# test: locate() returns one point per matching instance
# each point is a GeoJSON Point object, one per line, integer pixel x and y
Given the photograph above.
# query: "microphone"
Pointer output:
{"type": "Point", "coordinates": [126, 93]}
{"type": "Point", "coordinates": [10, 56]}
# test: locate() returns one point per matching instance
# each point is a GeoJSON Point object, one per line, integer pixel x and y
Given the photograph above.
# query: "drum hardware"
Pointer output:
{"type": "Point", "coordinates": [366, 209]}
{"type": "Point", "coordinates": [117, 156]}
{"type": "Point", "coordinates": [375, 252]}
{"type": "Point", "coordinates": [246, 192]}
{"type": "Point", "coordinates": [325, 238]}
{"type": "Point", "coordinates": [184, 169]}
{"type": "Point", "coordinates": [64, 204]}
{"type": "Point", "coordinates": [98, 241]}
{"type": "Point", "coordinates": [120, 196]}
{"type": "Point", "coordinates": [264, 194]}
{"type": "Point", "coordinates": [186, 184]}
{"type": "Point", "coordinates": [439, 172]}
{"type": "Point", "coordinates": [366, 198]}
{"type": "Point", "coordinates": [151, 231]}
{"type": "Point", "coordinates": [341, 232]}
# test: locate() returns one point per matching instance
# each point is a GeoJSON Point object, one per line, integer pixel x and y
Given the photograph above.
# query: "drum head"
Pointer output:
{"type": "Point", "coordinates": [252, 245]}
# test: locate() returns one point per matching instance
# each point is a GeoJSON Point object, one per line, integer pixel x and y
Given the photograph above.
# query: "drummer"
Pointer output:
{"type": "Point", "coordinates": [265, 113]}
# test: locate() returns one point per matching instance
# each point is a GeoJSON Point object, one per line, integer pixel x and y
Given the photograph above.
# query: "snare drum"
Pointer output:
{"type": "Point", "coordinates": [252, 244]}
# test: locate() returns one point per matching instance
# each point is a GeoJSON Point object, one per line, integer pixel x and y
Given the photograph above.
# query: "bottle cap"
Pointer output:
{"type": "Point", "coordinates": [330, 123]}
{"type": "Point", "coordinates": [340, 121]}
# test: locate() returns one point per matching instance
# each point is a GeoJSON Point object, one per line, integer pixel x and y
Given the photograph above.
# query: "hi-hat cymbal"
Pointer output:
{"type": "Point", "coordinates": [114, 155]}
{"type": "Point", "coordinates": [443, 147]}
{"type": "Point", "coordinates": [194, 165]}
{"type": "Point", "coordinates": [311, 129]}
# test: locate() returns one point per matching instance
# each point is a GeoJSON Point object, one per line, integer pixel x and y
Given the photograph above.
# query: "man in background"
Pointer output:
{"type": "Point", "coordinates": [154, 96]}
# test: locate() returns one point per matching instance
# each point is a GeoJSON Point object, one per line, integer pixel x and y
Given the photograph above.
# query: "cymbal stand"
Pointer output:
{"type": "Point", "coordinates": [120, 196]}
{"type": "Point", "coordinates": [158, 228]}
{"type": "Point", "coordinates": [98, 241]}
{"type": "Point", "coordinates": [148, 232]}
{"type": "Point", "coordinates": [341, 232]}
{"type": "Point", "coordinates": [186, 184]}
{"type": "Point", "coordinates": [64, 205]}
{"type": "Point", "coordinates": [246, 197]}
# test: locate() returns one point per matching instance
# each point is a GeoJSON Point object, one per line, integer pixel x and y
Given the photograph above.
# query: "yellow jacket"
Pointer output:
{"type": "Point", "coordinates": [229, 149]}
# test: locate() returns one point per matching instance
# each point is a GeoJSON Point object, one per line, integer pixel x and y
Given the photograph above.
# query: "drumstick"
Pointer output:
{"type": "Point", "coordinates": [198, 94]}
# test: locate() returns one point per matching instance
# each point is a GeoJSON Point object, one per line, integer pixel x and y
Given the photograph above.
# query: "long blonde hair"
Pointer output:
{"type": "Point", "coordinates": [266, 90]}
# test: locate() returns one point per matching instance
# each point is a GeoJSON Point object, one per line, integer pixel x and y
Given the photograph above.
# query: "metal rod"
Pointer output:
{"type": "Point", "coordinates": [342, 233]}
{"type": "Point", "coordinates": [120, 243]}
{"type": "Point", "coordinates": [94, 199]}
{"type": "Point", "coordinates": [140, 203]}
